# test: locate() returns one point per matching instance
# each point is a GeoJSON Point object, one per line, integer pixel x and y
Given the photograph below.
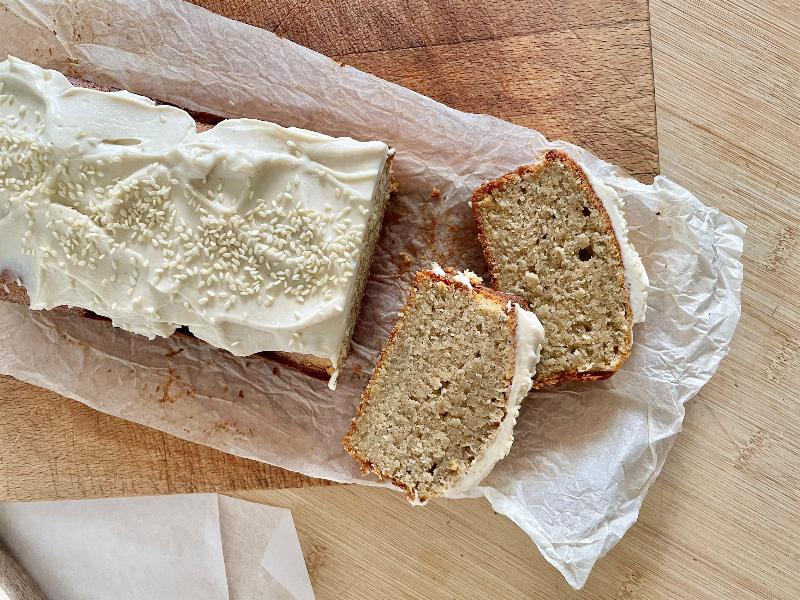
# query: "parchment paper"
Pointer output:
{"type": "Point", "coordinates": [197, 546]}
{"type": "Point", "coordinates": [585, 454]}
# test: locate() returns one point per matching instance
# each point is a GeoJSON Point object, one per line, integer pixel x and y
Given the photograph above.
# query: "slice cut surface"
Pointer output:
{"type": "Point", "coordinates": [440, 391]}
{"type": "Point", "coordinates": [548, 238]}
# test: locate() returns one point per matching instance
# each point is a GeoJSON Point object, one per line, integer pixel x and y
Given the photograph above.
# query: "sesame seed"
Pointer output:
{"type": "Point", "coordinates": [277, 246]}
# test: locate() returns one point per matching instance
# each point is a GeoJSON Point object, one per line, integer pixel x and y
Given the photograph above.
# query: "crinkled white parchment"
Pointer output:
{"type": "Point", "coordinates": [195, 546]}
{"type": "Point", "coordinates": [584, 455]}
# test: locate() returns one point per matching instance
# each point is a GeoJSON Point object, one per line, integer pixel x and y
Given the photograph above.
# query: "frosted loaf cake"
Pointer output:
{"type": "Point", "coordinates": [254, 236]}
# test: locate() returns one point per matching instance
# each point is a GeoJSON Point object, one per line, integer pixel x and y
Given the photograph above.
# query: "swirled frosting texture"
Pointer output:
{"type": "Point", "coordinates": [248, 233]}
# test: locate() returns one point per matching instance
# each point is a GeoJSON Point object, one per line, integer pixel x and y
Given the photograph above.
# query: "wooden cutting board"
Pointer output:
{"type": "Point", "coordinates": [579, 70]}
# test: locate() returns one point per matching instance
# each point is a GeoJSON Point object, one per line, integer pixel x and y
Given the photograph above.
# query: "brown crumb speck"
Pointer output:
{"type": "Point", "coordinates": [403, 262]}
{"type": "Point", "coordinates": [226, 426]}
{"type": "Point", "coordinates": [165, 397]}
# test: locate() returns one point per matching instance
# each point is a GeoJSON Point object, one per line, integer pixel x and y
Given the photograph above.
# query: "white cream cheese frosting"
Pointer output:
{"type": "Point", "coordinates": [248, 233]}
{"type": "Point", "coordinates": [636, 279]}
{"type": "Point", "coordinates": [466, 277]}
{"type": "Point", "coordinates": [529, 340]}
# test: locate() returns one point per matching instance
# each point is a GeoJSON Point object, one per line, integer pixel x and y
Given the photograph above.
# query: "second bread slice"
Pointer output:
{"type": "Point", "coordinates": [559, 240]}
{"type": "Point", "coordinates": [440, 407]}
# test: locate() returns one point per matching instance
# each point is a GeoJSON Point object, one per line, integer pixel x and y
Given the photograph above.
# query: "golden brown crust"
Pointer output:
{"type": "Point", "coordinates": [482, 196]}
{"type": "Point", "coordinates": [493, 295]}
{"type": "Point", "coordinates": [318, 367]}
{"type": "Point", "coordinates": [557, 378]}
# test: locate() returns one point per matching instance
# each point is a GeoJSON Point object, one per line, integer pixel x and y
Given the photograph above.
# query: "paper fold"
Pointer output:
{"type": "Point", "coordinates": [584, 455]}
{"type": "Point", "coordinates": [198, 546]}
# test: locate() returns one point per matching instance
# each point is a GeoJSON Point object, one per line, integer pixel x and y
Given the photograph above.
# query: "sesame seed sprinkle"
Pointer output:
{"type": "Point", "coordinates": [190, 235]}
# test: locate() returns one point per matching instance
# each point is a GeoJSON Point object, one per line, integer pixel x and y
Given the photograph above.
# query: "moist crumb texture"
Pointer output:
{"type": "Point", "coordinates": [548, 238]}
{"type": "Point", "coordinates": [438, 393]}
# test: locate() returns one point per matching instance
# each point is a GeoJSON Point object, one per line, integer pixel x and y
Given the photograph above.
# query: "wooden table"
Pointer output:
{"type": "Point", "coordinates": [722, 520]}
{"type": "Point", "coordinates": [555, 67]}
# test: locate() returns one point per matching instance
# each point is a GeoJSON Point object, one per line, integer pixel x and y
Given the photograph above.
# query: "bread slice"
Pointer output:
{"type": "Point", "coordinates": [558, 240]}
{"type": "Point", "coordinates": [13, 278]}
{"type": "Point", "coordinates": [440, 407]}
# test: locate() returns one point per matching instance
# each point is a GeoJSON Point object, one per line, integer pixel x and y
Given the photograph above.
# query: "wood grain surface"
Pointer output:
{"type": "Point", "coordinates": [722, 520]}
{"type": "Point", "coordinates": [51, 447]}
{"type": "Point", "coordinates": [556, 67]}
{"type": "Point", "coordinates": [573, 69]}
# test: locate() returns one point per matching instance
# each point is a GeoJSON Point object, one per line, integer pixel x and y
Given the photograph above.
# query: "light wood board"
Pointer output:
{"type": "Point", "coordinates": [722, 522]}
{"type": "Point", "coordinates": [578, 70]}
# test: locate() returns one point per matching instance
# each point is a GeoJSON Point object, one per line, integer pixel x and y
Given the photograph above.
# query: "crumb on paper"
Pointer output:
{"type": "Point", "coordinates": [436, 194]}
{"type": "Point", "coordinates": [428, 229]}
{"type": "Point", "coordinates": [225, 425]}
{"type": "Point", "coordinates": [72, 340]}
{"type": "Point", "coordinates": [403, 262]}
{"type": "Point", "coordinates": [165, 397]}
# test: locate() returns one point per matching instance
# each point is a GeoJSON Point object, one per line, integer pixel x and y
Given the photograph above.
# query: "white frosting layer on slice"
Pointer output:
{"type": "Point", "coordinates": [529, 340]}
{"type": "Point", "coordinates": [635, 276]}
{"type": "Point", "coordinates": [466, 276]}
{"type": "Point", "coordinates": [248, 233]}
{"type": "Point", "coordinates": [437, 269]}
